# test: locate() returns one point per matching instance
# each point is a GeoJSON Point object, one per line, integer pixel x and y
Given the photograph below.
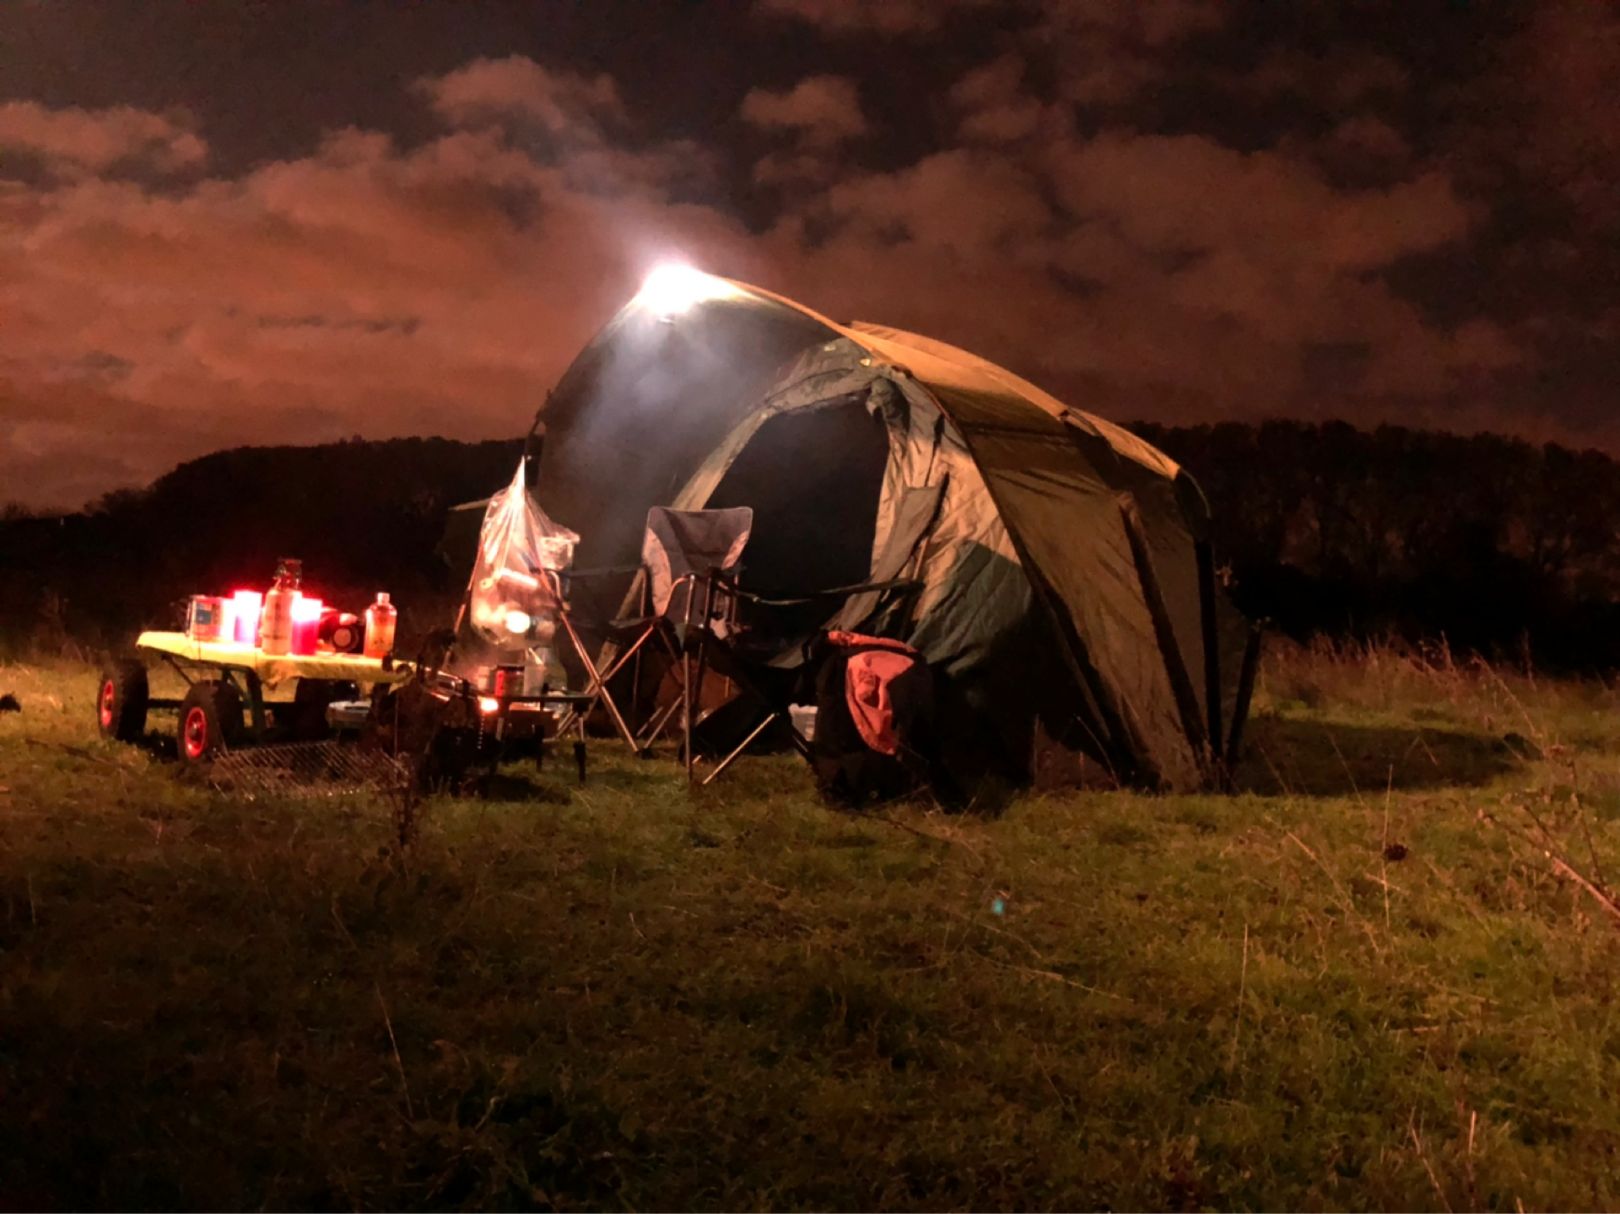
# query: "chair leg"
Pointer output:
{"type": "Point", "coordinates": [741, 746]}
{"type": "Point", "coordinates": [657, 723]}
{"type": "Point", "coordinates": [653, 728]}
{"type": "Point", "coordinates": [686, 712]}
{"type": "Point", "coordinates": [598, 686]}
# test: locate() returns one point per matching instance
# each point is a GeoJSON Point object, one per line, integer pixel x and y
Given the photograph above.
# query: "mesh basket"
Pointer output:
{"type": "Point", "coordinates": [310, 769]}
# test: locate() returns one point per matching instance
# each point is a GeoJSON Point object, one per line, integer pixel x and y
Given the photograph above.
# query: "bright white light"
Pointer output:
{"type": "Point", "coordinates": [488, 705]}
{"type": "Point", "coordinates": [673, 288]}
{"type": "Point", "coordinates": [518, 622]}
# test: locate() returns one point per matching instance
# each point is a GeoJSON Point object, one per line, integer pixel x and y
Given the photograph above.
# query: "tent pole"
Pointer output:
{"type": "Point", "coordinates": [686, 683]}
{"type": "Point", "coordinates": [1212, 644]}
{"type": "Point", "coordinates": [1245, 689]}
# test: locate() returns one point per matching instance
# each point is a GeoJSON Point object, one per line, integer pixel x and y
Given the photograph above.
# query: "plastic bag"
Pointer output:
{"type": "Point", "coordinates": [512, 599]}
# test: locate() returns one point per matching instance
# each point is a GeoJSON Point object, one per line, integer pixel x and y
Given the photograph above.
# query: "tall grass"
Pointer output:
{"type": "Point", "coordinates": [1344, 987]}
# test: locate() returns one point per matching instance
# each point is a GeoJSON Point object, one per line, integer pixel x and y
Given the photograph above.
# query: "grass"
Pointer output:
{"type": "Point", "coordinates": [1342, 988]}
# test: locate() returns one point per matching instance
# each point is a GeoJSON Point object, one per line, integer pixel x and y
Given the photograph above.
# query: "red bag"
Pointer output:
{"type": "Point", "coordinates": [868, 675]}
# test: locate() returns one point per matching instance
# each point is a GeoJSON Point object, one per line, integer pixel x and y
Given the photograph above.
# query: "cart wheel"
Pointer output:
{"type": "Point", "coordinates": [210, 720]}
{"type": "Point", "coordinates": [121, 701]}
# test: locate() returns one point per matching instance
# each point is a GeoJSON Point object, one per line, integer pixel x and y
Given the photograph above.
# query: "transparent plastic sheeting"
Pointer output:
{"type": "Point", "coordinates": [511, 605]}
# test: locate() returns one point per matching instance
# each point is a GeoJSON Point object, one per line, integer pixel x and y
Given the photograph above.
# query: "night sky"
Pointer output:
{"type": "Point", "coordinates": [227, 224]}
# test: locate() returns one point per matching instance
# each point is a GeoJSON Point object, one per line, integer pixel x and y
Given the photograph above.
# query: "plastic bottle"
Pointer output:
{"type": "Point", "coordinates": [380, 619]}
{"type": "Point", "coordinates": [276, 622]}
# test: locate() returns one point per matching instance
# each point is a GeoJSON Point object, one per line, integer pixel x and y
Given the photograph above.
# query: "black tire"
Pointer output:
{"type": "Point", "coordinates": [121, 701]}
{"type": "Point", "coordinates": [210, 721]}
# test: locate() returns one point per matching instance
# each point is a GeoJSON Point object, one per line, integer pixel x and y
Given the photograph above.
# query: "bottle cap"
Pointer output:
{"type": "Point", "coordinates": [382, 597]}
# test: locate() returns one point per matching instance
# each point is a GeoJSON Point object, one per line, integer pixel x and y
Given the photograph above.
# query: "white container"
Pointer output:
{"type": "Point", "coordinates": [276, 622]}
{"type": "Point", "coordinates": [803, 717]}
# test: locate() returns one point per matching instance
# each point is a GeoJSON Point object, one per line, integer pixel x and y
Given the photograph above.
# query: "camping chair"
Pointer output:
{"type": "Point", "coordinates": [688, 606]}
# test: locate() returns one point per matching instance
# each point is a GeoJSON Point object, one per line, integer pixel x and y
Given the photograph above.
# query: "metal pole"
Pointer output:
{"type": "Point", "coordinates": [741, 746]}
{"type": "Point", "coordinates": [597, 688]}
{"type": "Point", "coordinates": [1245, 689]}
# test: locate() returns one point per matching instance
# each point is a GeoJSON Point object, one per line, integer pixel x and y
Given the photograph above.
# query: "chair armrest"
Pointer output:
{"type": "Point", "coordinates": [835, 592]}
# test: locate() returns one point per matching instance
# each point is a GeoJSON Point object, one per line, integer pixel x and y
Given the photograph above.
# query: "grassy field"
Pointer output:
{"type": "Point", "coordinates": [1367, 982]}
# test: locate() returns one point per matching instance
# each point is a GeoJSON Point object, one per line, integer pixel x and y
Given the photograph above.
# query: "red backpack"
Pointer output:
{"type": "Point", "coordinates": [874, 717]}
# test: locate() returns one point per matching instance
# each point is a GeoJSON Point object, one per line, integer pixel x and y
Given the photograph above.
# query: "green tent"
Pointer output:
{"type": "Point", "coordinates": [1062, 585]}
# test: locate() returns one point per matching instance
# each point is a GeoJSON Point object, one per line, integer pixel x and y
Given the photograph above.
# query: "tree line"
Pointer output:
{"type": "Point", "coordinates": [1498, 545]}
{"type": "Point", "coordinates": [362, 516]}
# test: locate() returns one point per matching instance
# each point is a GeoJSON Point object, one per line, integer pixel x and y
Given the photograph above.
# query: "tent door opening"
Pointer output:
{"type": "Point", "coordinates": [813, 477]}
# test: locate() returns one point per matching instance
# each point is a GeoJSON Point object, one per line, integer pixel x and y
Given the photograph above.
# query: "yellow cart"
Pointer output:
{"type": "Point", "coordinates": [224, 704]}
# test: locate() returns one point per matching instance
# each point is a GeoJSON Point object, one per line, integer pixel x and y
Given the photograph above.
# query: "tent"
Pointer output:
{"type": "Point", "coordinates": [1064, 588]}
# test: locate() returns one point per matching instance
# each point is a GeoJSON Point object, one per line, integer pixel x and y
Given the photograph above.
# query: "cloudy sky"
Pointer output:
{"type": "Point", "coordinates": [238, 223]}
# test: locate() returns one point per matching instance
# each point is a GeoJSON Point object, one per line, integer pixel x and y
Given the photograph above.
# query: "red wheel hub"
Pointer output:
{"type": "Point", "coordinates": [109, 693]}
{"type": "Point", "coordinates": [194, 733]}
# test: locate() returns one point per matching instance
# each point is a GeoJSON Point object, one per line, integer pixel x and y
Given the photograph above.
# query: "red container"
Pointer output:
{"type": "Point", "coordinates": [247, 604]}
{"type": "Point", "coordinates": [306, 624]}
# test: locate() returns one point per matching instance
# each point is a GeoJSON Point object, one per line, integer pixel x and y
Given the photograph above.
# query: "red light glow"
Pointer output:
{"type": "Point", "coordinates": [306, 623]}
{"type": "Point", "coordinates": [245, 608]}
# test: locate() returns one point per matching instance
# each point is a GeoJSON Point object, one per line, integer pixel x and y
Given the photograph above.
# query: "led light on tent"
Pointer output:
{"type": "Point", "coordinates": [673, 288]}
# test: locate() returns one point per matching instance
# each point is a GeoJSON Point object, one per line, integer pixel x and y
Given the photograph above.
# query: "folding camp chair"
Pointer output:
{"type": "Point", "coordinates": [688, 605]}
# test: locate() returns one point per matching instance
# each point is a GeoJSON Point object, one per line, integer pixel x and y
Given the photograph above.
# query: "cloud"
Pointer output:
{"type": "Point", "coordinates": [1335, 80]}
{"type": "Point", "coordinates": [849, 17]}
{"type": "Point", "coordinates": [371, 286]}
{"type": "Point", "coordinates": [961, 203]}
{"type": "Point", "coordinates": [1128, 21]}
{"type": "Point", "coordinates": [994, 107]}
{"type": "Point", "coordinates": [1183, 194]}
{"type": "Point", "coordinates": [361, 288]}
{"type": "Point", "coordinates": [519, 88]}
{"type": "Point", "coordinates": [1107, 52]}
{"type": "Point", "coordinates": [1564, 76]}
{"type": "Point", "coordinates": [564, 119]}
{"type": "Point", "coordinates": [1155, 276]}
{"type": "Point", "coordinates": [1364, 142]}
{"type": "Point", "coordinates": [95, 141]}
{"type": "Point", "coordinates": [821, 110]}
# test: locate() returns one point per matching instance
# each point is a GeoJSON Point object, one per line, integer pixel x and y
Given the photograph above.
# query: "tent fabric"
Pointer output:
{"type": "Point", "coordinates": [1063, 589]}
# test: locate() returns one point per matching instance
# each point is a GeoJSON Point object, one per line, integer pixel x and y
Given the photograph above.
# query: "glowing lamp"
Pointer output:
{"type": "Point", "coordinates": [488, 705]}
{"type": "Point", "coordinates": [245, 608]}
{"type": "Point", "coordinates": [306, 623]}
{"type": "Point", "coordinates": [673, 288]}
{"type": "Point", "coordinates": [517, 622]}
